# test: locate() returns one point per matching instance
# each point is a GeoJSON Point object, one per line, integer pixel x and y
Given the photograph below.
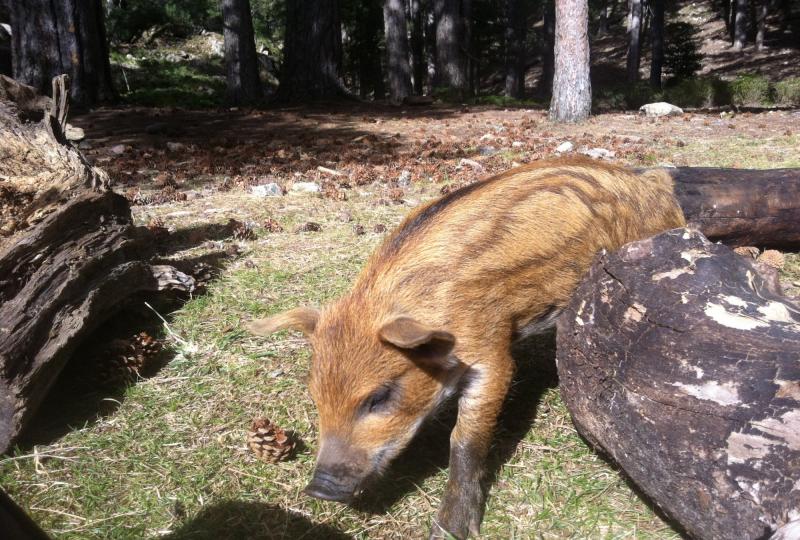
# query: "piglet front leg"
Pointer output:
{"type": "Point", "coordinates": [461, 511]}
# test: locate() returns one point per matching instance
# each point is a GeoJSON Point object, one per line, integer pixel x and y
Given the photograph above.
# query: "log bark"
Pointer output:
{"type": "Point", "coordinates": [742, 207]}
{"type": "Point", "coordinates": [69, 256]}
{"type": "Point", "coordinates": [678, 361]}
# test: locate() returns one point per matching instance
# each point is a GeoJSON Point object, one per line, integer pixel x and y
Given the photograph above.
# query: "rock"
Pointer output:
{"type": "Point", "coordinates": [85, 145]}
{"type": "Point", "coordinates": [660, 109]}
{"type": "Point", "coordinates": [266, 190]}
{"type": "Point", "coordinates": [73, 133]}
{"type": "Point", "coordinates": [471, 163]}
{"type": "Point", "coordinates": [487, 150]}
{"type": "Point", "coordinates": [405, 179]}
{"type": "Point", "coordinates": [306, 187]}
{"type": "Point", "coordinates": [119, 149]}
{"type": "Point", "coordinates": [517, 144]}
{"type": "Point", "coordinates": [598, 153]}
{"type": "Point", "coordinates": [487, 137]}
{"type": "Point", "coordinates": [565, 147]}
{"type": "Point", "coordinates": [176, 147]}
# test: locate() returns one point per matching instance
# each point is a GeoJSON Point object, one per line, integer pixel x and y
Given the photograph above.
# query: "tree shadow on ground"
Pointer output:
{"type": "Point", "coordinates": [245, 520]}
{"type": "Point", "coordinates": [429, 451]}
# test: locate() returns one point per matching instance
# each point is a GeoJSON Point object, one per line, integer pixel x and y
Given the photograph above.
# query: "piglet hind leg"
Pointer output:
{"type": "Point", "coordinates": [461, 511]}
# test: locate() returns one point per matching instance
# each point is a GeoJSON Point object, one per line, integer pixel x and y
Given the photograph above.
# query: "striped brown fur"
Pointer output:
{"type": "Point", "coordinates": [440, 302]}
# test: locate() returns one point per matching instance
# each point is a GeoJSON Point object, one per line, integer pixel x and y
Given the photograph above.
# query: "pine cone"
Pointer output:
{"type": "Point", "coordinates": [202, 273]}
{"type": "Point", "coordinates": [269, 442]}
{"type": "Point", "coordinates": [244, 231]}
{"type": "Point", "coordinates": [747, 251]}
{"type": "Point", "coordinates": [272, 226]}
{"type": "Point", "coordinates": [309, 227]}
{"type": "Point", "coordinates": [124, 360]}
{"type": "Point", "coordinates": [158, 228]}
{"type": "Point", "coordinates": [773, 258]}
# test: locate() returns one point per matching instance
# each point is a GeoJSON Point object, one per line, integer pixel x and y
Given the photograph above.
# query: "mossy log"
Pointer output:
{"type": "Point", "coordinates": [678, 360]}
{"type": "Point", "coordinates": [69, 254]}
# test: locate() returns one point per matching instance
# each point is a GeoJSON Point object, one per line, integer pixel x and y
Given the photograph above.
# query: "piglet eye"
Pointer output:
{"type": "Point", "coordinates": [378, 400]}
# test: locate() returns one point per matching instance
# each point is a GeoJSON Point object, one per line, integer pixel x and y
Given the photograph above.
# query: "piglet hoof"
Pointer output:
{"type": "Point", "coordinates": [460, 515]}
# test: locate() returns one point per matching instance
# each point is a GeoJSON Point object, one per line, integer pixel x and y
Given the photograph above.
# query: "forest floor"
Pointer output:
{"type": "Point", "coordinates": [167, 456]}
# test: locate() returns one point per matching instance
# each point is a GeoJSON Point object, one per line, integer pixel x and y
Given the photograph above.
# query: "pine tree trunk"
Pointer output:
{"type": "Point", "coordinates": [602, 23]}
{"type": "Point", "coordinates": [451, 64]}
{"type": "Point", "coordinates": [516, 26]}
{"type": "Point", "coordinates": [397, 66]}
{"type": "Point", "coordinates": [63, 37]}
{"type": "Point", "coordinates": [762, 8]}
{"type": "Point", "coordinates": [241, 63]}
{"type": "Point", "coordinates": [740, 25]}
{"type": "Point", "coordinates": [657, 43]}
{"type": "Point", "coordinates": [634, 40]}
{"type": "Point", "coordinates": [419, 64]}
{"type": "Point", "coordinates": [312, 51]}
{"type": "Point", "coordinates": [548, 47]}
{"type": "Point", "coordinates": [572, 89]}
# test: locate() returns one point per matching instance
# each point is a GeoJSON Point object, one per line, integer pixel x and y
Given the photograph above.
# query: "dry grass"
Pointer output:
{"type": "Point", "coordinates": [171, 461]}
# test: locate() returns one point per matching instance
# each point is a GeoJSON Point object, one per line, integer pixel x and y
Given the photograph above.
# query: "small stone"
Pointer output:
{"type": "Point", "coordinates": [487, 150]}
{"type": "Point", "coordinates": [471, 163]}
{"type": "Point", "coordinates": [306, 187]}
{"type": "Point", "coordinates": [176, 146]}
{"type": "Point", "coordinates": [345, 217]}
{"type": "Point", "coordinates": [379, 228]}
{"type": "Point", "coordinates": [405, 179]}
{"type": "Point", "coordinates": [565, 147]}
{"type": "Point", "coordinates": [73, 133]}
{"type": "Point", "coordinates": [119, 149]}
{"type": "Point", "coordinates": [517, 144]}
{"type": "Point", "coordinates": [598, 153]}
{"type": "Point", "coordinates": [266, 190]}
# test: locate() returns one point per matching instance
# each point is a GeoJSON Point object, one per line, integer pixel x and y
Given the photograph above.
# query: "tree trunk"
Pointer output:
{"type": "Point", "coordinates": [69, 254]}
{"type": "Point", "coordinates": [397, 66]}
{"type": "Point", "coordinates": [572, 89]}
{"type": "Point", "coordinates": [634, 40]}
{"type": "Point", "coordinates": [420, 66]}
{"type": "Point", "coordinates": [312, 51]}
{"type": "Point", "coordinates": [516, 26]}
{"type": "Point", "coordinates": [548, 47]}
{"type": "Point", "coordinates": [678, 360]}
{"type": "Point", "coordinates": [451, 62]}
{"type": "Point", "coordinates": [657, 43]}
{"type": "Point", "coordinates": [742, 207]}
{"type": "Point", "coordinates": [762, 8]}
{"type": "Point", "coordinates": [241, 63]}
{"type": "Point", "coordinates": [602, 21]}
{"type": "Point", "coordinates": [67, 36]}
{"type": "Point", "coordinates": [740, 25]}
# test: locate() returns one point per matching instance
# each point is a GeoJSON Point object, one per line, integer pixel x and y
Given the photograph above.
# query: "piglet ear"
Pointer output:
{"type": "Point", "coordinates": [423, 344]}
{"type": "Point", "coordinates": [303, 319]}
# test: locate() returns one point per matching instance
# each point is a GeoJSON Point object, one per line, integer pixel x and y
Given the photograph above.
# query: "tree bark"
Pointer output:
{"type": "Point", "coordinates": [602, 21]}
{"type": "Point", "coordinates": [420, 66]}
{"type": "Point", "coordinates": [451, 62]}
{"type": "Point", "coordinates": [657, 43]}
{"type": "Point", "coordinates": [742, 207]}
{"type": "Point", "coordinates": [312, 51]}
{"type": "Point", "coordinates": [397, 66]}
{"type": "Point", "coordinates": [548, 47]}
{"type": "Point", "coordinates": [572, 89]}
{"type": "Point", "coordinates": [678, 360]}
{"type": "Point", "coordinates": [69, 255]}
{"type": "Point", "coordinates": [762, 7]}
{"type": "Point", "coordinates": [634, 40]}
{"type": "Point", "coordinates": [67, 36]}
{"type": "Point", "coordinates": [740, 25]}
{"type": "Point", "coordinates": [241, 62]}
{"type": "Point", "coordinates": [516, 27]}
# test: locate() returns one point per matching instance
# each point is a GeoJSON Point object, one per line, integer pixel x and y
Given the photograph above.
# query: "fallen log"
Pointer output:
{"type": "Point", "coordinates": [741, 207]}
{"type": "Point", "coordinates": [677, 361]}
{"type": "Point", "coordinates": [69, 255]}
